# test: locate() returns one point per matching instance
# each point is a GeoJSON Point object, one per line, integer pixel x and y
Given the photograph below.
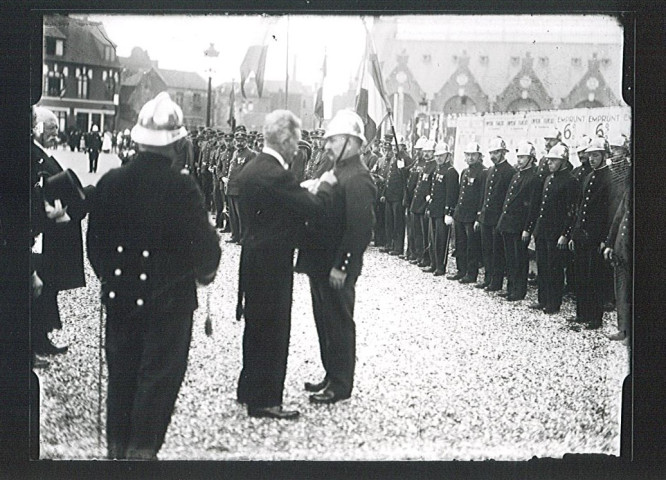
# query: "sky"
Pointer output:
{"type": "Point", "coordinates": [178, 41]}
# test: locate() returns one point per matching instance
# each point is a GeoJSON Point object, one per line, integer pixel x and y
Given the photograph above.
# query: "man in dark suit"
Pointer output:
{"type": "Point", "coordinates": [94, 145]}
{"type": "Point", "coordinates": [242, 155]}
{"type": "Point", "coordinates": [334, 258]}
{"type": "Point", "coordinates": [443, 197]}
{"type": "Point", "coordinates": [517, 221]}
{"type": "Point", "coordinates": [149, 242]}
{"type": "Point", "coordinates": [59, 243]}
{"type": "Point", "coordinates": [415, 170]}
{"type": "Point", "coordinates": [492, 247]}
{"type": "Point", "coordinates": [468, 241]}
{"type": "Point", "coordinates": [395, 174]}
{"type": "Point", "coordinates": [588, 236]}
{"type": "Point", "coordinates": [419, 203]}
{"type": "Point", "coordinates": [274, 209]}
{"type": "Point", "coordinates": [553, 229]}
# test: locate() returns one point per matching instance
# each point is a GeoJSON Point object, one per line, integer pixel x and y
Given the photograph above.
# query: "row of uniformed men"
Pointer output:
{"type": "Point", "coordinates": [495, 212]}
{"type": "Point", "coordinates": [219, 157]}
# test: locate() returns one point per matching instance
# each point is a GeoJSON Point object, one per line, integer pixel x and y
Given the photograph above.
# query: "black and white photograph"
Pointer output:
{"type": "Point", "coordinates": [331, 237]}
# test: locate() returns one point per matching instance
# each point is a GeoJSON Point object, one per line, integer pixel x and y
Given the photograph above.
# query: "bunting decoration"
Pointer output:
{"type": "Point", "coordinates": [254, 61]}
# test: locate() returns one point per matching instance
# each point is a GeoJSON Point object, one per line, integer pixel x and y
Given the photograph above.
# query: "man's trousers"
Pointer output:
{"type": "Point", "coordinates": [334, 319]}
{"type": "Point", "coordinates": [395, 226]}
{"type": "Point", "coordinates": [492, 247]}
{"type": "Point", "coordinates": [147, 358]}
{"type": "Point", "coordinates": [438, 234]}
{"type": "Point", "coordinates": [468, 248]}
{"type": "Point", "coordinates": [590, 284]}
{"type": "Point", "coordinates": [234, 217]}
{"type": "Point", "coordinates": [517, 264]}
{"type": "Point", "coordinates": [550, 265]}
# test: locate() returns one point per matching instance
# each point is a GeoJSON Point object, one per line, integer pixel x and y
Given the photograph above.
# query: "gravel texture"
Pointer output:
{"type": "Point", "coordinates": [444, 372]}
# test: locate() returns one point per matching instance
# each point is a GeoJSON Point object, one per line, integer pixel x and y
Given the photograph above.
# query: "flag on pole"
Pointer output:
{"type": "Point", "coordinates": [375, 69]}
{"type": "Point", "coordinates": [319, 103]}
{"type": "Point", "coordinates": [232, 106]}
{"type": "Point", "coordinates": [254, 61]}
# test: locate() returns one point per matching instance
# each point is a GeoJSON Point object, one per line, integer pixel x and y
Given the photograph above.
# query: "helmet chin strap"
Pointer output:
{"type": "Point", "coordinates": [344, 147]}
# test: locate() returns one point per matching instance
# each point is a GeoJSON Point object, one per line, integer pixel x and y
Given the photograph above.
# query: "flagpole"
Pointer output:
{"type": "Point", "coordinates": [286, 83]}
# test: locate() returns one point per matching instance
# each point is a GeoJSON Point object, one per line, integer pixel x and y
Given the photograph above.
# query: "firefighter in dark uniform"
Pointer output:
{"type": "Point", "coordinates": [378, 173]}
{"type": "Point", "coordinates": [492, 245]}
{"type": "Point", "coordinates": [226, 164]}
{"type": "Point", "coordinates": [396, 179]}
{"type": "Point", "coordinates": [149, 242]}
{"type": "Point", "coordinates": [419, 203]}
{"type": "Point", "coordinates": [320, 161]}
{"type": "Point", "coordinates": [468, 241]}
{"type": "Point", "coordinates": [588, 236]}
{"type": "Point", "coordinates": [218, 182]}
{"type": "Point", "coordinates": [93, 145]}
{"type": "Point", "coordinates": [242, 155]}
{"type": "Point", "coordinates": [518, 219]}
{"type": "Point", "coordinates": [553, 227]}
{"type": "Point", "coordinates": [371, 154]}
{"type": "Point", "coordinates": [444, 191]}
{"type": "Point", "coordinates": [334, 262]}
{"type": "Point", "coordinates": [618, 252]}
{"type": "Point", "coordinates": [415, 171]}
{"type": "Point", "coordinates": [301, 159]}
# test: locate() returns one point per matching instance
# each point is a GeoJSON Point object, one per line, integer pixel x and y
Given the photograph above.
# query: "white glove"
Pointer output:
{"type": "Point", "coordinates": [448, 220]}
{"type": "Point", "coordinates": [401, 164]}
{"type": "Point", "coordinates": [56, 211]}
{"type": "Point", "coordinates": [427, 198]}
{"type": "Point", "coordinates": [329, 177]}
{"type": "Point", "coordinates": [311, 185]}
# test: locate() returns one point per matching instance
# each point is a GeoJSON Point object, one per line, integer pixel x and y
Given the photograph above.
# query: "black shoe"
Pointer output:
{"type": "Point", "coordinates": [39, 362]}
{"type": "Point", "coordinates": [428, 269]}
{"type": "Point", "coordinates": [272, 412]}
{"type": "Point", "coordinates": [394, 253]}
{"type": "Point", "coordinates": [47, 348]}
{"type": "Point", "coordinates": [402, 257]}
{"type": "Point", "coordinates": [617, 336]}
{"type": "Point", "coordinates": [551, 310]}
{"type": "Point", "coordinates": [383, 249]}
{"type": "Point", "coordinates": [423, 264]}
{"type": "Point", "coordinates": [575, 320]}
{"type": "Point", "coordinates": [316, 387]}
{"type": "Point", "coordinates": [609, 307]}
{"type": "Point", "coordinates": [457, 276]}
{"type": "Point", "coordinates": [438, 273]}
{"type": "Point", "coordinates": [513, 298]}
{"type": "Point", "coordinates": [493, 288]}
{"type": "Point", "coordinates": [414, 261]}
{"type": "Point", "coordinates": [537, 306]}
{"type": "Point", "coordinates": [592, 326]}
{"type": "Point", "coordinates": [232, 240]}
{"type": "Point", "coordinates": [327, 396]}
{"type": "Point", "coordinates": [503, 294]}
{"type": "Point", "coordinates": [482, 285]}
{"type": "Point", "coordinates": [467, 279]}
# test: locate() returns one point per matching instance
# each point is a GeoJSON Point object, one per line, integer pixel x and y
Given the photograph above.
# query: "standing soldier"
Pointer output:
{"type": "Point", "coordinates": [94, 145]}
{"type": "Point", "coordinates": [587, 238]}
{"type": "Point", "coordinates": [377, 173]}
{"type": "Point", "coordinates": [517, 221]}
{"type": "Point", "coordinates": [553, 228]}
{"type": "Point", "coordinates": [468, 241]}
{"type": "Point", "coordinates": [415, 171]}
{"type": "Point", "coordinates": [442, 202]}
{"type": "Point", "coordinates": [241, 156]}
{"type": "Point", "coordinates": [418, 206]}
{"type": "Point", "coordinates": [371, 154]}
{"type": "Point", "coordinates": [301, 159]}
{"type": "Point", "coordinates": [394, 191]}
{"type": "Point", "coordinates": [218, 192]}
{"type": "Point", "coordinates": [492, 246]}
{"type": "Point", "coordinates": [228, 156]}
{"type": "Point", "coordinates": [149, 242]}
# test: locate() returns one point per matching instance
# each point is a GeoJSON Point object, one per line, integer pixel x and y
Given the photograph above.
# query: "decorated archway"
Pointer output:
{"type": "Point", "coordinates": [591, 90]}
{"type": "Point", "coordinates": [459, 105]}
{"type": "Point", "coordinates": [523, 105]}
{"type": "Point", "coordinates": [461, 93]}
{"type": "Point", "coordinates": [525, 92]}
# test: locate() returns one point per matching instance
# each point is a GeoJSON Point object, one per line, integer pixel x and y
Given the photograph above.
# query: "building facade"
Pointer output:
{"type": "Point", "coordinates": [81, 73]}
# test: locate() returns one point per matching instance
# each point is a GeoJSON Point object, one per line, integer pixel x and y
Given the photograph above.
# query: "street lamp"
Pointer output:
{"type": "Point", "coordinates": [211, 54]}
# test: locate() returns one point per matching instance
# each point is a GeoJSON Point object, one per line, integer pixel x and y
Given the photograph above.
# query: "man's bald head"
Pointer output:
{"type": "Point", "coordinates": [44, 125]}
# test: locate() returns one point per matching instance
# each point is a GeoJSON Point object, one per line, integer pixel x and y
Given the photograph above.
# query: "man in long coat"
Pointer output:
{"type": "Point", "coordinates": [273, 209]}
{"type": "Point", "coordinates": [149, 242]}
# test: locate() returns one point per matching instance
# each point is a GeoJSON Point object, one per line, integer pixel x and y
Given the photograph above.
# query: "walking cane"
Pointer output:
{"type": "Point", "coordinates": [99, 378]}
{"type": "Point", "coordinates": [208, 327]}
{"type": "Point", "coordinates": [446, 249]}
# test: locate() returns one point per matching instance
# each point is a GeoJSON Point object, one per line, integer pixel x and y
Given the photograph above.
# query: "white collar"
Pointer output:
{"type": "Point", "coordinates": [39, 145]}
{"type": "Point", "coordinates": [278, 157]}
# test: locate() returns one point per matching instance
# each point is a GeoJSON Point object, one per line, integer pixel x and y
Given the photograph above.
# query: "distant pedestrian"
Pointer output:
{"type": "Point", "coordinates": [93, 145]}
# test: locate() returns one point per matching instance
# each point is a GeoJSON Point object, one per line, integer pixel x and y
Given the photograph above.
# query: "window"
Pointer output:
{"type": "Point", "coordinates": [54, 46]}
{"type": "Point", "coordinates": [109, 53]}
{"type": "Point", "coordinates": [196, 101]}
{"type": "Point", "coordinates": [179, 99]}
{"type": "Point", "coordinates": [83, 75]}
{"type": "Point", "coordinates": [53, 84]}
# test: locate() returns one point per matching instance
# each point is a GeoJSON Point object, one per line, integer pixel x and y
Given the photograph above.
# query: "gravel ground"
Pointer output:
{"type": "Point", "coordinates": [444, 372]}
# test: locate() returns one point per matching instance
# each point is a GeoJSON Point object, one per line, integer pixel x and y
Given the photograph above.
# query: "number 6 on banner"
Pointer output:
{"type": "Point", "coordinates": [567, 131]}
{"type": "Point", "coordinates": [600, 130]}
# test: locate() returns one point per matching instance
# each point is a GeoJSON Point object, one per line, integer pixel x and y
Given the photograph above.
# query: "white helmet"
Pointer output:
{"type": "Point", "coordinates": [126, 132]}
{"type": "Point", "coordinates": [526, 148]}
{"type": "Point", "coordinates": [473, 147]}
{"type": "Point", "coordinates": [553, 133]}
{"type": "Point", "coordinates": [429, 146]}
{"type": "Point", "coordinates": [619, 141]}
{"type": "Point", "coordinates": [442, 148]}
{"type": "Point", "coordinates": [583, 143]}
{"type": "Point", "coordinates": [95, 128]}
{"type": "Point", "coordinates": [160, 122]}
{"type": "Point", "coordinates": [558, 151]}
{"type": "Point", "coordinates": [497, 143]}
{"type": "Point", "coordinates": [419, 143]}
{"type": "Point", "coordinates": [598, 144]}
{"type": "Point", "coordinates": [346, 122]}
